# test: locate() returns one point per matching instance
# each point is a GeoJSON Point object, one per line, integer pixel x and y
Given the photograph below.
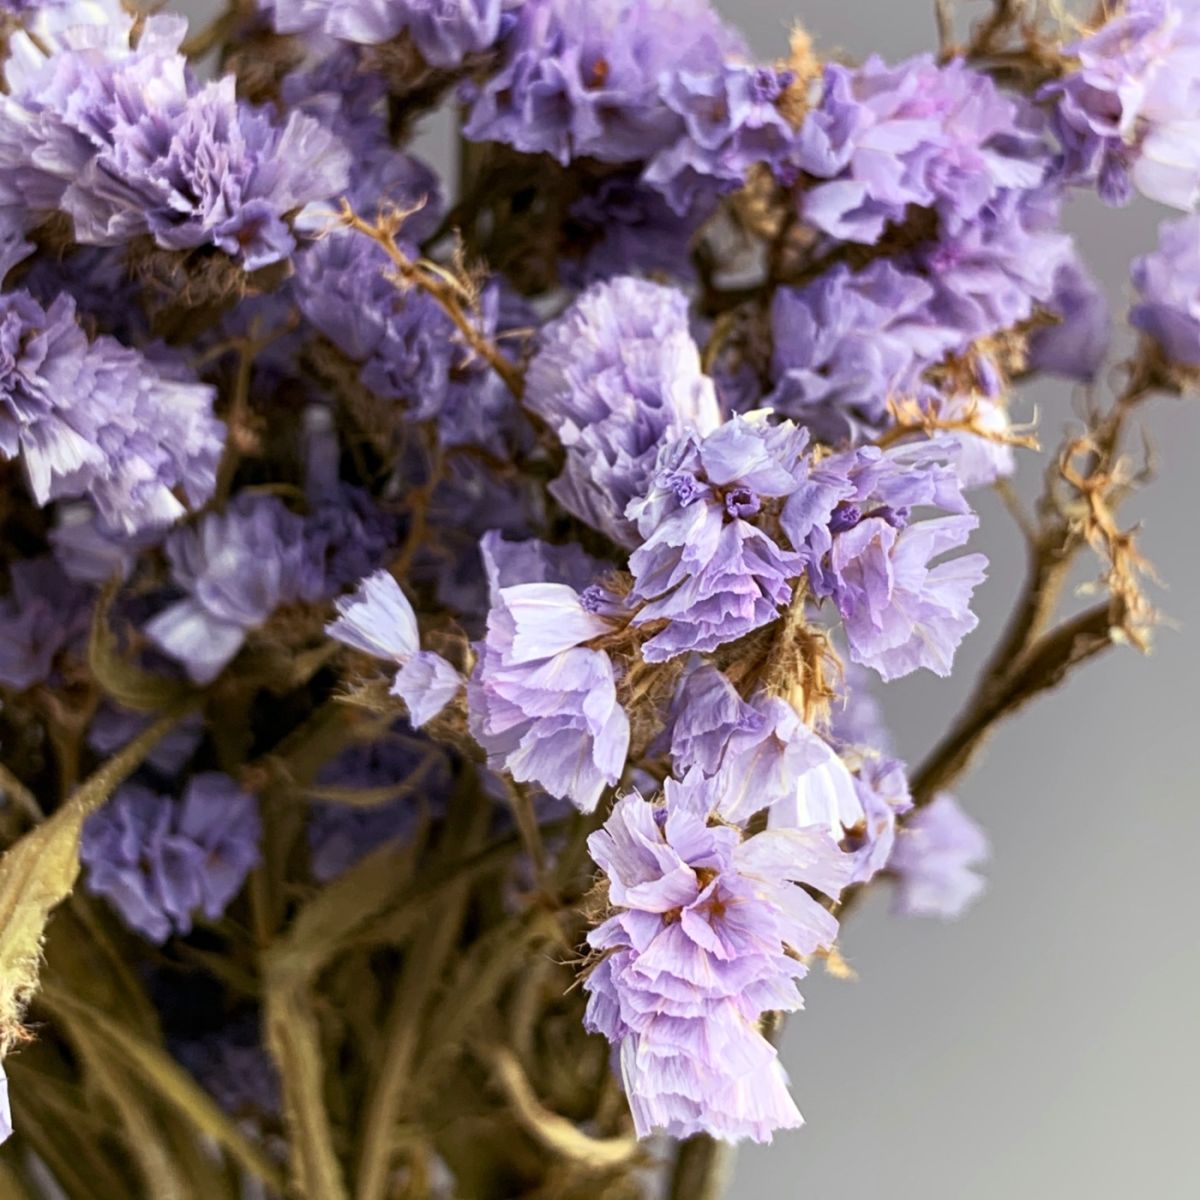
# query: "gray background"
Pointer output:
{"type": "Point", "coordinates": [1045, 1046]}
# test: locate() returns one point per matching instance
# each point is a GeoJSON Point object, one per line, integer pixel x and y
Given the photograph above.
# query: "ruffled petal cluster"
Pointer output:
{"type": "Point", "coordinates": [161, 861]}
{"type": "Point", "coordinates": [97, 419]}
{"type": "Point", "coordinates": [615, 377]}
{"type": "Point", "coordinates": [542, 701]}
{"type": "Point", "coordinates": [1128, 114]}
{"type": "Point", "coordinates": [709, 932]}
{"type": "Point", "coordinates": [933, 859]}
{"type": "Point", "coordinates": [1168, 284]}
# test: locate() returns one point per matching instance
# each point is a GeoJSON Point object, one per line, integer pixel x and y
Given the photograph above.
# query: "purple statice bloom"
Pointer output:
{"type": "Point", "coordinates": [619, 226]}
{"type": "Point", "coordinates": [991, 272]}
{"type": "Point", "coordinates": [234, 1068]}
{"type": "Point", "coordinates": [1128, 114]}
{"type": "Point", "coordinates": [981, 454]}
{"type": "Point", "coordinates": [919, 134]}
{"type": "Point", "coordinates": [847, 343]}
{"type": "Point", "coordinates": [932, 860]}
{"type": "Point", "coordinates": [616, 376]}
{"type": "Point", "coordinates": [6, 1123]}
{"type": "Point", "coordinates": [882, 785]}
{"type": "Point", "coordinates": [899, 612]}
{"type": "Point", "coordinates": [704, 566]}
{"type": "Point", "coordinates": [708, 933]}
{"type": "Point", "coordinates": [761, 755]}
{"type": "Point", "coordinates": [160, 861]}
{"type": "Point", "coordinates": [1168, 282]}
{"type": "Point", "coordinates": [373, 793]}
{"type": "Point", "coordinates": [857, 718]}
{"type": "Point", "coordinates": [379, 620]}
{"type": "Point", "coordinates": [730, 124]}
{"type": "Point", "coordinates": [129, 144]}
{"type": "Point", "coordinates": [1076, 345]}
{"type": "Point", "coordinates": [444, 31]}
{"type": "Point", "coordinates": [586, 78]}
{"type": "Point", "coordinates": [114, 727]}
{"type": "Point", "coordinates": [236, 568]}
{"type": "Point", "coordinates": [42, 614]}
{"type": "Point", "coordinates": [542, 702]}
{"type": "Point", "coordinates": [98, 419]}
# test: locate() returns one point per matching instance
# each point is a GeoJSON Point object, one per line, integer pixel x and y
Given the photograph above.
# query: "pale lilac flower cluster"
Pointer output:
{"type": "Point", "coordinates": [614, 377]}
{"type": "Point", "coordinates": [933, 859]}
{"type": "Point", "coordinates": [161, 861]}
{"type": "Point", "coordinates": [1127, 114]}
{"type": "Point", "coordinates": [444, 31]}
{"type": "Point", "coordinates": [709, 932]}
{"type": "Point", "coordinates": [97, 419]}
{"type": "Point", "coordinates": [1168, 283]}
{"type": "Point", "coordinates": [128, 143]}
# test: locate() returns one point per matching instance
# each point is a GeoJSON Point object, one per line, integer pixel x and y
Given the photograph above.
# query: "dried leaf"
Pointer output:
{"type": "Point", "coordinates": [39, 871]}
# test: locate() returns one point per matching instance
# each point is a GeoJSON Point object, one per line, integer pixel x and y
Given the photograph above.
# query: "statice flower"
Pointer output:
{"type": "Point", "coordinates": [232, 1066]}
{"type": "Point", "coordinates": [1076, 345]}
{"type": "Point", "coordinates": [444, 31]}
{"type": "Point", "coordinates": [1128, 114]}
{"type": "Point", "coordinates": [761, 755]}
{"type": "Point", "coordinates": [379, 620]}
{"type": "Point", "coordinates": [235, 568]}
{"type": "Point", "coordinates": [160, 861]}
{"type": "Point", "coordinates": [586, 78]}
{"type": "Point", "coordinates": [42, 613]}
{"type": "Point", "coordinates": [705, 567]}
{"type": "Point", "coordinates": [847, 343]}
{"type": "Point", "coordinates": [615, 377]}
{"type": "Point", "coordinates": [100, 420]}
{"type": "Point", "coordinates": [919, 134]}
{"type": "Point", "coordinates": [993, 271]}
{"type": "Point", "coordinates": [932, 860]}
{"type": "Point", "coordinates": [1168, 282]}
{"type": "Point", "coordinates": [882, 786]}
{"type": "Point", "coordinates": [6, 1123]}
{"type": "Point", "coordinates": [903, 604]}
{"type": "Point", "coordinates": [708, 933]}
{"type": "Point", "coordinates": [542, 701]}
{"type": "Point", "coordinates": [127, 143]}
{"type": "Point", "coordinates": [373, 793]}
{"type": "Point", "coordinates": [730, 124]}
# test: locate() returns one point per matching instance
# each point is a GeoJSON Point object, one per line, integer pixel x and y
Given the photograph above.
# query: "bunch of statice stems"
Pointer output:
{"type": "Point", "coordinates": [441, 622]}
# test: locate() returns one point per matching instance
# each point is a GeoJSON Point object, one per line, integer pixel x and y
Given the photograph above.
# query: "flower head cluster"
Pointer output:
{"type": "Point", "coordinates": [587, 78]}
{"type": "Point", "coordinates": [1127, 115]}
{"type": "Point", "coordinates": [932, 860]}
{"type": "Point", "coordinates": [706, 566]}
{"type": "Point", "coordinates": [848, 342]}
{"type": "Point", "coordinates": [918, 135]}
{"type": "Point", "coordinates": [543, 702]}
{"type": "Point", "coordinates": [903, 605]}
{"type": "Point", "coordinates": [160, 861]}
{"type": "Point", "coordinates": [378, 620]}
{"type": "Point", "coordinates": [127, 143]}
{"type": "Point", "coordinates": [709, 932]}
{"type": "Point", "coordinates": [97, 419]}
{"type": "Point", "coordinates": [238, 566]}
{"type": "Point", "coordinates": [1168, 282]}
{"type": "Point", "coordinates": [616, 376]}
{"type": "Point", "coordinates": [444, 31]}
{"type": "Point", "coordinates": [40, 615]}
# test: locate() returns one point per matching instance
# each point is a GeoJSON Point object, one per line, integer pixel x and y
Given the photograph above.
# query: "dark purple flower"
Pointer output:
{"type": "Point", "coordinates": [1168, 282]}
{"type": "Point", "coordinates": [41, 614]}
{"type": "Point", "coordinates": [617, 376]}
{"type": "Point", "coordinates": [709, 932]}
{"type": "Point", "coordinates": [159, 861]}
